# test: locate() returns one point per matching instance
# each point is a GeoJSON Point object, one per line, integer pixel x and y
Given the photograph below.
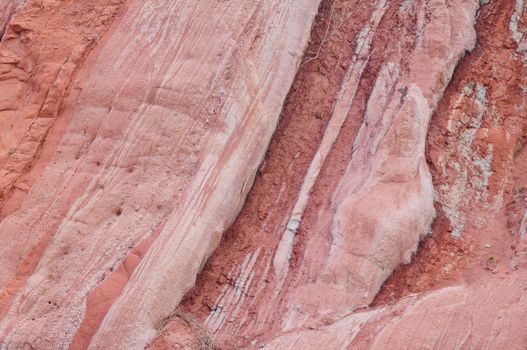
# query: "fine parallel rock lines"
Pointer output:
{"type": "Point", "coordinates": [173, 110]}
{"type": "Point", "coordinates": [256, 174]}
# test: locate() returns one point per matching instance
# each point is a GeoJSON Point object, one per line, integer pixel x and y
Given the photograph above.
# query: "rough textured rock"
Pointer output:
{"type": "Point", "coordinates": [166, 180]}
{"type": "Point", "coordinates": [387, 172]}
{"type": "Point", "coordinates": [243, 303]}
{"type": "Point", "coordinates": [40, 51]}
{"type": "Point", "coordinates": [166, 150]}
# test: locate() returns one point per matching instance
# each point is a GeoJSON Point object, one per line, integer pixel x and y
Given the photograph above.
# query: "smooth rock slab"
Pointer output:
{"type": "Point", "coordinates": [490, 314]}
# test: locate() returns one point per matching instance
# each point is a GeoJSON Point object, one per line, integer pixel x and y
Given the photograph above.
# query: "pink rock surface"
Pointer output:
{"type": "Point", "coordinates": [304, 252]}
{"type": "Point", "coordinates": [383, 204]}
{"type": "Point", "coordinates": [207, 175]}
{"type": "Point", "coordinates": [43, 46]}
{"type": "Point", "coordinates": [490, 314]}
{"type": "Point", "coordinates": [167, 149]}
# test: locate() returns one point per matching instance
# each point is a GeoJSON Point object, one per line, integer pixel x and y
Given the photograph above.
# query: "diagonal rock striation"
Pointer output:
{"type": "Point", "coordinates": [169, 118]}
{"type": "Point", "coordinates": [313, 174]}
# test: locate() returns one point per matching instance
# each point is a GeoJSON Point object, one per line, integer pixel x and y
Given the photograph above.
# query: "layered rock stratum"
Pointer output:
{"type": "Point", "coordinates": [294, 174]}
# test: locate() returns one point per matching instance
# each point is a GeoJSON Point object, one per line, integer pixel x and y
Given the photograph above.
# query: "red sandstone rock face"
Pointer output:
{"type": "Point", "coordinates": [389, 211]}
{"type": "Point", "coordinates": [148, 150]}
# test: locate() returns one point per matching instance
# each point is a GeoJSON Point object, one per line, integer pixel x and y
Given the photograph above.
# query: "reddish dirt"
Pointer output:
{"type": "Point", "coordinates": [302, 123]}
{"type": "Point", "coordinates": [306, 112]}
{"type": "Point", "coordinates": [443, 260]}
{"type": "Point", "coordinates": [341, 153]}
